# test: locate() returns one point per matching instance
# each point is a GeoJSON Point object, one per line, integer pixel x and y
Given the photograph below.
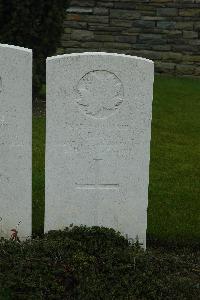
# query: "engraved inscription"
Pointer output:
{"type": "Point", "coordinates": [100, 93]}
{"type": "Point", "coordinates": [3, 122]}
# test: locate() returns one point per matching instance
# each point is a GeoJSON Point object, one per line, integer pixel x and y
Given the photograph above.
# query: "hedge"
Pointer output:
{"type": "Point", "coordinates": [90, 263]}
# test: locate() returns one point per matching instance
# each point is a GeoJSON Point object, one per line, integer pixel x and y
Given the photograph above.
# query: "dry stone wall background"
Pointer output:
{"type": "Point", "coordinates": [166, 31]}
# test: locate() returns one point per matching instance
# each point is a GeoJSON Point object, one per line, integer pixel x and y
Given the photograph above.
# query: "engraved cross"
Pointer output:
{"type": "Point", "coordinates": [97, 185]}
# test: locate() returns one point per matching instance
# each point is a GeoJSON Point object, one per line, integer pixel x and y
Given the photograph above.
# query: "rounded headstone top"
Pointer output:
{"type": "Point", "coordinates": [100, 54]}
{"type": "Point", "coordinates": [12, 47]}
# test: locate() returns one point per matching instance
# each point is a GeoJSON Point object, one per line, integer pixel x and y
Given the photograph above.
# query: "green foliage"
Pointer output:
{"type": "Point", "coordinates": [37, 25]}
{"type": "Point", "coordinates": [94, 263]}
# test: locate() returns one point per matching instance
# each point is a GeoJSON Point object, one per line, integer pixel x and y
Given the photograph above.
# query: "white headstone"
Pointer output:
{"type": "Point", "coordinates": [15, 141]}
{"type": "Point", "coordinates": [98, 141]}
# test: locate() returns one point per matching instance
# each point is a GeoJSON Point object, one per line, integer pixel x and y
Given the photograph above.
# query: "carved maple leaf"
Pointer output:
{"type": "Point", "coordinates": [100, 91]}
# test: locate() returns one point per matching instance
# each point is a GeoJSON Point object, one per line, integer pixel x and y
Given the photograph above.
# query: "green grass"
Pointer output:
{"type": "Point", "coordinates": [174, 190]}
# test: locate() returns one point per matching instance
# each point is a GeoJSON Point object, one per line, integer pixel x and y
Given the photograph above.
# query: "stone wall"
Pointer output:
{"type": "Point", "coordinates": [166, 31]}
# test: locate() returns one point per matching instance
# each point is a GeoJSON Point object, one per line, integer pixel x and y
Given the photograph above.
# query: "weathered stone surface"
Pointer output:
{"type": "Point", "coordinates": [153, 18]}
{"type": "Point", "coordinates": [67, 30]}
{"type": "Point", "coordinates": [169, 12]}
{"type": "Point", "coordinates": [117, 45]}
{"type": "Point", "coordinates": [164, 67]}
{"type": "Point", "coordinates": [66, 36]}
{"type": "Point", "coordinates": [172, 33]}
{"type": "Point", "coordinates": [194, 42]}
{"type": "Point", "coordinates": [184, 25]}
{"type": "Point", "coordinates": [121, 23]}
{"type": "Point", "coordinates": [60, 51]}
{"type": "Point", "coordinates": [105, 28]}
{"type": "Point", "coordinates": [125, 5]}
{"type": "Point", "coordinates": [196, 71]}
{"type": "Point", "coordinates": [15, 141]}
{"type": "Point", "coordinates": [82, 35]}
{"type": "Point", "coordinates": [73, 17]}
{"type": "Point", "coordinates": [80, 10]}
{"type": "Point", "coordinates": [101, 11]}
{"type": "Point", "coordinates": [155, 55]}
{"type": "Point", "coordinates": [150, 36]}
{"type": "Point", "coordinates": [74, 24]}
{"type": "Point", "coordinates": [161, 47]}
{"type": "Point", "coordinates": [144, 7]}
{"type": "Point", "coordinates": [70, 44]}
{"type": "Point", "coordinates": [192, 58]}
{"type": "Point", "coordinates": [91, 45]}
{"type": "Point", "coordinates": [185, 69]}
{"type": "Point", "coordinates": [172, 56]}
{"type": "Point", "coordinates": [104, 38]}
{"type": "Point", "coordinates": [143, 23]}
{"type": "Point", "coordinates": [126, 39]}
{"type": "Point", "coordinates": [88, 18]}
{"type": "Point", "coordinates": [85, 3]}
{"type": "Point", "coordinates": [147, 12]}
{"type": "Point", "coordinates": [185, 48]}
{"type": "Point", "coordinates": [124, 14]}
{"type": "Point", "coordinates": [166, 24]}
{"type": "Point", "coordinates": [190, 34]}
{"type": "Point", "coordinates": [196, 25]}
{"type": "Point", "coordinates": [105, 4]}
{"type": "Point", "coordinates": [141, 46]}
{"type": "Point", "coordinates": [98, 142]}
{"type": "Point", "coordinates": [158, 25]}
{"type": "Point", "coordinates": [189, 12]}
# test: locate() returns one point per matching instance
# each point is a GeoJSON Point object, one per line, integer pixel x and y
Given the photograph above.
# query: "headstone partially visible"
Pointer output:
{"type": "Point", "coordinates": [99, 109]}
{"type": "Point", "coordinates": [15, 142]}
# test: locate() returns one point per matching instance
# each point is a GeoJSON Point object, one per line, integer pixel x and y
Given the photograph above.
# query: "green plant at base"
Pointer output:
{"type": "Point", "coordinates": [94, 263]}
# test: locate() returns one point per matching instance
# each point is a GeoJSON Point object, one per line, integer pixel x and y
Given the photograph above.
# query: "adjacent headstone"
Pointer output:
{"type": "Point", "coordinates": [15, 142]}
{"type": "Point", "coordinates": [99, 109]}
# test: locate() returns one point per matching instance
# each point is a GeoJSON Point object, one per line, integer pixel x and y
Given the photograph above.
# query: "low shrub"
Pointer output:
{"type": "Point", "coordinates": [94, 263]}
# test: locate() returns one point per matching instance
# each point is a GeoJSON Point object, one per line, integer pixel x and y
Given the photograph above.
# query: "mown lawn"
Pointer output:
{"type": "Point", "coordinates": [174, 190]}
